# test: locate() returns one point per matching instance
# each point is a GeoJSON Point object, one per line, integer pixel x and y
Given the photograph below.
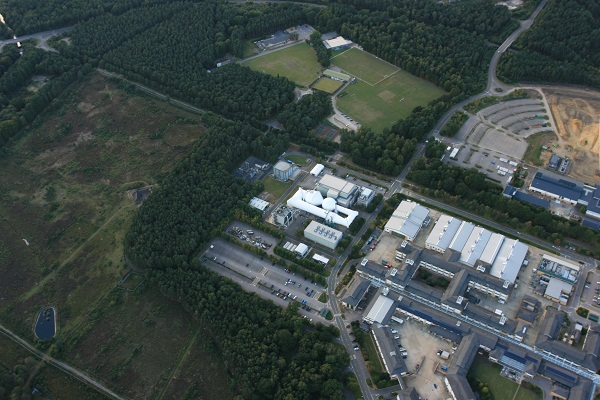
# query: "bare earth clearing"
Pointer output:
{"type": "Point", "coordinates": [577, 114]}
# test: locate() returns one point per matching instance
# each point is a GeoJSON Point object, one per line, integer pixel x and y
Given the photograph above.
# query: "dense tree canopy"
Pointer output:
{"type": "Point", "coordinates": [272, 354]}
{"type": "Point", "coordinates": [30, 16]}
{"type": "Point", "coordinates": [563, 45]}
{"type": "Point", "coordinates": [197, 195]}
{"type": "Point", "coordinates": [20, 105]}
{"type": "Point", "coordinates": [299, 118]}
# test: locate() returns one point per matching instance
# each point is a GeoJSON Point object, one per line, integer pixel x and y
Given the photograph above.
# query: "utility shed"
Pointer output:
{"type": "Point", "coordinates": [301, 249]}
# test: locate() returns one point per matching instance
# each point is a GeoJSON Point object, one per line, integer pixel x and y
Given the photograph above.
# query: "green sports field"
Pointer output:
{"type": "Point", "coordinates": [382, 93]}
{"type": "Point", "coordinates": [297, 63]}
{"type": "Point", "coordinates": [327, 85]}
{"type": "Point", "coordinates": [363, 65]}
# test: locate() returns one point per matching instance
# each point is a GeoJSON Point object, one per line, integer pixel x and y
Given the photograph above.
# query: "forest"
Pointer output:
{"type": "Point", "coordinates": [162, 57]}
{"type": "Point", "coordinates": [299, 118]}
{"type": "Point", "coordinates": [21, 97]}
{"type": "Point", "coordinates": [562, 46]}
{"type": "Point", "coordinates": [270, 351]}
{"type": "Point", "coordinates": [192, 201]}
{"type": "Point", "coordinates": [469, 189]}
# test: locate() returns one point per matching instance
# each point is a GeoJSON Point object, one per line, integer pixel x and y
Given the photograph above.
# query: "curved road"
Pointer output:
{"type": "Point", "coordinates": [493, 83]}
{"type": "Point", "coordinates": [61, 365]}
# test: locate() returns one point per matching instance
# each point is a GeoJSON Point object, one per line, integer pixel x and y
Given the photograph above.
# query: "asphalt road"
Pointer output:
{"type": "Point", "coordinates": [493, 83]}
{"type": "Point", "coordinates": [61, 365]}
{"type": "Point", "coordinates": [42, 36]}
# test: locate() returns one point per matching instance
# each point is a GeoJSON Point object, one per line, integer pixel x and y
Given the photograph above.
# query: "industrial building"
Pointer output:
{"type": "Point", "coordinates": [472, 338]}
{"type": "Point", "coordinates": [407, 219]}
{"type": "Point", "coordinates": [513, 193]}
{"type": "Point", "coordinates": [381, 310]}
{"type": "Point", "coordinates": [299, 249]}
{"type": "Point", "coordinates": [313, 202]}
{"type": "Point", "coordinates": [283, 216]}
{"type": "Point", "coordinates": [572, 192]}
{"type": "Point", "coordinates": [259, 204]}
{"type": "Point", "coordinates": [478, 247]}
{"type": "Point", "coordinates": [323, 235]}
{"type": "Point", "coordinates": [357, 292]}
{"type": "Point", "coordinates": [365, 197]}
{"type": "Point", "coordinates": [283, 171]}
{"type": "Point", "coordinates": [317, 169]}
{"type": "Point", "coordinates": [345, 193]}
{"type": "Point", "coordinates": [591, 199]}
{"type": "Point", "coordinates": [557, 187]}
{"type": "Point", "coordinates": [390, 353]}
{"type": "Point", "coordinates": [336, 76]}
{"type": "Point", "coordinates": [559, 268]}
{"type": "Point", "coordinates": [337, 43]}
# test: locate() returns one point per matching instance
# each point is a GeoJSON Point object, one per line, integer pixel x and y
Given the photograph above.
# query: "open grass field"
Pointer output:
{"type": "Point", "coordinates": [526, 394]}
{"type": "Point", "coordinates": [276, 188]}
{"type": "Point", "coordinates": [489, 373]}
{"type": "Point", "coordinates": [193, 379]}
{"type": "Point", "coordinates": [327, 85]}
{"type": "Point", "coordinates": [534, 153]}
{"type": "Point", "coordinates": [297, 63]}
{"type": "Point", "coordinates": [64, 190]}
{"type": "Point", "coordinates": [133, 341]}
{"type": "Point", "coordinates": [50, 381]}
{"type": "Point", "coordinates": [300, 160]}
{"type": "Point", "coordinates": [363, 65]}
{"type": "Point", "coordinates": [383, 93]}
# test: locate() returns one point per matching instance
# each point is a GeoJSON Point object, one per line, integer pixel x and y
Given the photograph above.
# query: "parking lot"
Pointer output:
{"type": "Point", "coordinates": [385, 249]}
{"type": "Point", "coordinates": [590, 297]}
{"type": "Point", "coordinates": [422, 349]}
{"type": "Point", "coordinates": [261, 276]}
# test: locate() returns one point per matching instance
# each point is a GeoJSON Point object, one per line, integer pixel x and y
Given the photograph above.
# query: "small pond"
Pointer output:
{"type": "Point", "coordinates": [45, 326]}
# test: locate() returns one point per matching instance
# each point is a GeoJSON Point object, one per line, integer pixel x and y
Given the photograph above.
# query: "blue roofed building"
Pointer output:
{"type": "Point", "coordinates": [557, 187]}
{"type": "Point", "coordinates": [513, 193]}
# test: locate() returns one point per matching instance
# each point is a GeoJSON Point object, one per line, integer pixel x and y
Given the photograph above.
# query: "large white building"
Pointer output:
{"type": "Point", "coordinates": [442, 233]}
{"type": "Point", "coordinates": [313, 202]}
{"type": "Point", "coordinates": [407, 219]}
{"type": "Point", "coordinates": [344, 192]}
{"type": "Point", "coordinates": [323, 234]}
{"type": "Point", "coordinates": [478, 247]}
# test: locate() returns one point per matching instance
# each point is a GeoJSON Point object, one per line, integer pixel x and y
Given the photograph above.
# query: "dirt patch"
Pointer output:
{"type": "Point", "coordinates": [85, 107]}
{"type": "Point", "coordinates": [576, 112]}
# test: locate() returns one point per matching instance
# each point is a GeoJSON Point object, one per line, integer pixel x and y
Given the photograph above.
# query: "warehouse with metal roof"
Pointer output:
{"type": "Point", "coordinates": [407, 219]}
{"type": "Point", "coordinates": [556, 186]}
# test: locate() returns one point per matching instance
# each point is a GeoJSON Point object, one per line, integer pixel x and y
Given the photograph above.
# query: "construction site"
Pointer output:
{"type": "Point", "coordinates": [576, 114]}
